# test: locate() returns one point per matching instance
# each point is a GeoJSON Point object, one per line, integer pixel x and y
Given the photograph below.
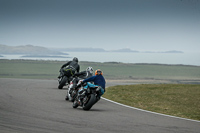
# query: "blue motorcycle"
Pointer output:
{"type": "Point", "coordinates": [88, 95]}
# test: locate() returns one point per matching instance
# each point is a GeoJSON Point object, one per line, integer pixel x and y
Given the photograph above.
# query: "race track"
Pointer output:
{"type": "Point", "coordinates": [37, 106]}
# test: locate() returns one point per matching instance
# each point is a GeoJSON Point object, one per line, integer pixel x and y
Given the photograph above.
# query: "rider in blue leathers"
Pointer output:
{"type": "Point", "coordinates": [98, 80]}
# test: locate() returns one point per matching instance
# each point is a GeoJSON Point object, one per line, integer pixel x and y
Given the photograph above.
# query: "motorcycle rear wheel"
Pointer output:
{"type": "Point", "coordinates": [91, 101]}
{"type": "Point", "coordinates": [62, 82]}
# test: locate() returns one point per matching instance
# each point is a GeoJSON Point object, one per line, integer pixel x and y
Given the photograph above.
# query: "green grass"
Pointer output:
{"type": "Point", "coordinates": [49, 70]}
{"type": "Point", "coordinates": [172, 99]}
{"type": "Point", "coordinates": [28, 69]}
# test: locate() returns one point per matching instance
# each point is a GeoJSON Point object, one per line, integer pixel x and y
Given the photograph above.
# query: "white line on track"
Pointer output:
{"type": "Point", "coordinates": [149, 111]}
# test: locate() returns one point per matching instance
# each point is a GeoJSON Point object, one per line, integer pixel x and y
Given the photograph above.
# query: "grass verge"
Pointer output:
{"type": "Point", "coordinates": [172, 99]}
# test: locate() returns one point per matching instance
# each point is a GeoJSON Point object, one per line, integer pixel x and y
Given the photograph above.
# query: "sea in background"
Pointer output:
{"type": "Point", "coordinates": [186, 58]}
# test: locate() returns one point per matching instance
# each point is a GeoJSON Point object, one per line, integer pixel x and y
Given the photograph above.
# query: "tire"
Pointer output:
{"type": "Point", "coordinates": [66, 98]}
{"type": "Point", "coordinates": [97, 99]}
{"type": "Point", "coordinates": [73, 98]}
{"type": "Point", "coordinates": [75, 104]}
{"type": "Point", "coordinates": [62, 82]}
{"type": "Point", "coordinates": [90, 103]}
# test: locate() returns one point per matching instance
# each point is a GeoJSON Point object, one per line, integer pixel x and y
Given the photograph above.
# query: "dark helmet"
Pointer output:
{"type": "Point", "coordinates": [75, 59]}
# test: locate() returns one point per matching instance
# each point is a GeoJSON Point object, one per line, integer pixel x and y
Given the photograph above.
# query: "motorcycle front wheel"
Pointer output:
{"type": "Point", "coordinates": [75, 104]}
{"type": "Point", "coordinates": [73, 96]}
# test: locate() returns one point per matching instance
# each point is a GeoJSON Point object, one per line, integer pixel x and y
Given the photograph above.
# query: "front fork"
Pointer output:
{"type": "Point", "coordinates": [69, 90]}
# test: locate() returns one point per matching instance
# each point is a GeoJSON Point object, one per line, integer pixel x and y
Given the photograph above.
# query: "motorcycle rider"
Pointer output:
{"type": "Point", "coordinates": [85, 74]}
{"type": "Point", "coordinates": [98, 80]}
{"type": "Point", "coordinates": [81, 75]}
{"type": "Point", "coordinates": [69, 68]}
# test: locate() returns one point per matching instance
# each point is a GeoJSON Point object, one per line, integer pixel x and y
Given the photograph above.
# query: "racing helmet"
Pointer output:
{"type": "Point", "coordinates": [98, 72]}
{"type": "Point", "coordinates": [90, 69]}
{"type": "Point", "coordinates": [75, 59]}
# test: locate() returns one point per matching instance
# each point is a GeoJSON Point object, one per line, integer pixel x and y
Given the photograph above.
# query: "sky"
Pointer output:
{"type": "Point", "coordinates": [157, 25]}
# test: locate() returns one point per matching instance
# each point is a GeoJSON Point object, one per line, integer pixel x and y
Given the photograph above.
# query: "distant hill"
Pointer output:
{"type": "Point", "coordinates": [124, 50]}
{"type": "Point", "coordinates": [28, 50]}
{"type": "Point", "coordinates": [44, 56]}
{"type": "Point", "coordinates": [38, 50]}
{"type": "Point", "coordinates": [172, 51]}
{"type": "Point", "coordinates": [80, 49]}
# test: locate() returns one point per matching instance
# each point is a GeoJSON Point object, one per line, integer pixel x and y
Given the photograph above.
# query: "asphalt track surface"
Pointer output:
{"type": "Point", "coordinates": [37, 106]}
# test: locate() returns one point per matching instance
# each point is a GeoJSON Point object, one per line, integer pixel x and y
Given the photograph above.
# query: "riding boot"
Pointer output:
{"type": "Point", "coordinates": [60, 75]}
{"type": "Point", "coordinates": [66, 98]}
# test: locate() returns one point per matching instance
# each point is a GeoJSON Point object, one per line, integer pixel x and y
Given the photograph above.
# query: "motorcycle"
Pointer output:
{"type": "Point", "coordinates": [88, 95]}
{"type": "Point", "coordinates": [63, 80]}
{"type": "Point", "coordinates": [72, 90]}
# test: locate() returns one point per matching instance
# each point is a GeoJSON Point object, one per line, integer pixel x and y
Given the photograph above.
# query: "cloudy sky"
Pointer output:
{"type": "Point", "coordinates": [109, 24]}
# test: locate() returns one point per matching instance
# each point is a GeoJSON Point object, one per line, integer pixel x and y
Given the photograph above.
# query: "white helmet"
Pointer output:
{"type": "Point", "coordinates": [90, 69]}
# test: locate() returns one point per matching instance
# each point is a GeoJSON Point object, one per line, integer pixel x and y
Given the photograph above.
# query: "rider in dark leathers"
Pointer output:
{"type": "Point", "coordinates": [70, 68]}
{"type": "Point", "coordinates": [80, 75]}
{"type": "Point", "coordinates": [85, 74]}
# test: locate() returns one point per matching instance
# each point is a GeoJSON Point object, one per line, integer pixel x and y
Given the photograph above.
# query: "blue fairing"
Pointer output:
{"type": "Point", "coordinates": [92, 85]}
